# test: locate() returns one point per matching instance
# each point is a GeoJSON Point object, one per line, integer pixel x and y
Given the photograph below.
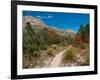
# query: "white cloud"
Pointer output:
{"type": "Point", "coordinates": [39, 16]}
{"type": "Point", "coordinates": [50, 16]}
{"type": "Point", "coordinates": [45, 17]}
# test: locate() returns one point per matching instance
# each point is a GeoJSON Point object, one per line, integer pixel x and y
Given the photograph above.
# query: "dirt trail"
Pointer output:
{"type": "Point", "coordinates": [57, 59]}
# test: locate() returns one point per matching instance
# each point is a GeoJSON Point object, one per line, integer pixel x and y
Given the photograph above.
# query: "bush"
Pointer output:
{"type": "Point", "coordinates": [86, 58]}
{"type": "Point", "coordinates": [50, 52]}
{"type": "Point", "coordinates": [70, 41]}
{"type": "Point", "coordinates": [82, 45]}
{"type": "Point", "coordinates": [54, 46]}
{"type": "Point", "coordinates": [64, 43]}
{"type": "Point", "coordinates": [43, 46]}
{"type": "Point", "coordinates": [70, 55]}
{"type": "Point", "coordinates": [36, 53]}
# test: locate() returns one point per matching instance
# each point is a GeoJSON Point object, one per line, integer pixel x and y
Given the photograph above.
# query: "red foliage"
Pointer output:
{"type": "Point", "coordinates": [78, 39]}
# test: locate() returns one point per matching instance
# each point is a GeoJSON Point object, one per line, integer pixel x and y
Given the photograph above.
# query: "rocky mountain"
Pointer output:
{"type": "Point", "coordinates": [33, 21]}
{"type": "Point", "coordinates": [37, 23]}
{"type": "Point", "coordinates": [70, 33]}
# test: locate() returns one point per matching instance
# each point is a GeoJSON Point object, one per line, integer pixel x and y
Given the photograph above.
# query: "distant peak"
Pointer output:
{"type": "Point", "coordinates": [70, 31]}
{"type": "Point", "coordinates": [32, 20]}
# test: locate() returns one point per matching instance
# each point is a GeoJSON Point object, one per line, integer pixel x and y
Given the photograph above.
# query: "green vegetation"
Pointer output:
{"type": "Point", "coordinates": [82, 45]}
{"type": "Point", "coordinates": [36, 54]}
{"type": "Point", "coordinates": [70, 41]}
{"type": "Point", "coordinates": [64, 43]}
{"type": "Point", "coordinates": [86, 57]}
{"type": "Point", "coordinates": [83, 34]}
{"type": "Point", "coordinates": [36, 40]}
{"type": "Point", "coordinates": [70, 55]}
{"type": "Point", "coordinates": [82, 42]}
{"type": "Point", "coordinates": [50, 52]}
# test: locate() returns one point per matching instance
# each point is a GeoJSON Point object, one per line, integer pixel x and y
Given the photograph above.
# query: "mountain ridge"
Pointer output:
{"type": "Point", "coordinates": [41, 25]}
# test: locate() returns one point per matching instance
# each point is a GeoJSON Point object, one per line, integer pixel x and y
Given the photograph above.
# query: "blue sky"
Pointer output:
{"type": "Point", "coordinates": [60, 20]}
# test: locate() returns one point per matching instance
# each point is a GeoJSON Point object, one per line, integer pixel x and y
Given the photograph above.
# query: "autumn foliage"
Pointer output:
{"type": "Point", "coordinates": [78, 39]}
{"type": "Point", "coordinates": [83, 35]}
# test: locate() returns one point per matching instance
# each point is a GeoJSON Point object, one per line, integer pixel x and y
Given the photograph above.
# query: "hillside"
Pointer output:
{"type": "Point", "coordinates": [41, 25]}
{"type": "Point", "coordinates": [44, 44]}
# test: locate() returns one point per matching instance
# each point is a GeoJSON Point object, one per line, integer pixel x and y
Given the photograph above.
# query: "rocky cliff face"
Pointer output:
{"type": "Point", "coordinates": [32, 20]}
{"type": "Point", "coordinates": [37, 23]}
{"type": "Point", "coordinates": [70, 33]}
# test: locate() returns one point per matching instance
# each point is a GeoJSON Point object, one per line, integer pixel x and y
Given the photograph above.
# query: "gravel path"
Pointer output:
{"type": "Point", "coordinates": [57, 59]}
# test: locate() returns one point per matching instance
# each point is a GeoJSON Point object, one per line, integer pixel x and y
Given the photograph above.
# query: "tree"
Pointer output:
{"type": "Point", "coordinates": [83, 34]}
{"type": "Point", "coordinates": [87, 32]}
{"type": "Point", "coordinates": [78, 39]}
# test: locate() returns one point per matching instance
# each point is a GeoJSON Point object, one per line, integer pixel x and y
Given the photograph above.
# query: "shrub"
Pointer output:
{"type": "Point", "coordinates": [70, 55]}
{"type": "Point", "coordinates": [36, 53]}
{"type": "Point", "coordinates": [43, 46]}
{"type": "Point", "coordinates": [82, 45]}
{"type": "Point", "coordinates": [54, 46]}
{"type": "Point", "coordinates": [64, 43]}
{"type": "Point", "coordinates": [50, 52]}
{"type": "Point", "coordinates": [86, 58]}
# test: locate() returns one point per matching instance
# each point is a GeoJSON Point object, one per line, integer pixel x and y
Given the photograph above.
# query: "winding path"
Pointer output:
{"type": "Point", "coordinates": [57, 59]}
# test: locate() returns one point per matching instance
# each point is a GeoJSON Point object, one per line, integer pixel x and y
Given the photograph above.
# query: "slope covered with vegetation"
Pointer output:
{"type": "Point", "coordinates": [41, 44]}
